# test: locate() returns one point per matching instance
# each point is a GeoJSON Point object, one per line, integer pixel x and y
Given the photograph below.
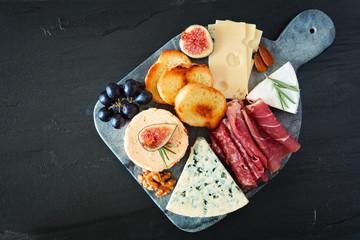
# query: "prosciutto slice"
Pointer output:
{"type": "Point", "coordinates": [242, 134]}
{"type": "Point", "coordinates": [215, 146]}
{"type": "Point", "coordinates": [257, 171]}
{"type": "Point", "coordinates": [237, 162]}
{"type": "Point", "coordinates": [266, 120]}
{"type": "Point", "coordinates": [273, 150]}
{"type": "Point", "coordinates": [251, 140]}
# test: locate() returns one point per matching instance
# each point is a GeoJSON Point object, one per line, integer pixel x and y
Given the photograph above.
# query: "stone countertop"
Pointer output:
{"type": "Point", "coordinates": [58, 180]}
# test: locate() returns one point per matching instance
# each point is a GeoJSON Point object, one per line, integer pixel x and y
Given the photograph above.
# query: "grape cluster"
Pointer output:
{"type": "Point", "coordinates": [122, 102]}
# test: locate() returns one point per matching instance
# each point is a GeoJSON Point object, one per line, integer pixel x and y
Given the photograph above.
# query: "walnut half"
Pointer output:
{"type": "Point", "coordinates": [157, 181]}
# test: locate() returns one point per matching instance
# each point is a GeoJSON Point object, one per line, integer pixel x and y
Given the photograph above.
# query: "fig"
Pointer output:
{"type": "Point", "coordinates": [156, 136]}
{"type": "Point", "coordinates": [196, 42]}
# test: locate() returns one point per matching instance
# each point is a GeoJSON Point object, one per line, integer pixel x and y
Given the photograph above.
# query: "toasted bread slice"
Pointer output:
{"type": "Point", "coordinates": [200, 74]}
{"type": "Point", "coordinates": [200, 106]}
{"type": "Point", "coordinates": [175, 78]}
{"type": "Point", "coordinates": [171, 81]}
{"type": "Point", "coordinates": [167, 59]}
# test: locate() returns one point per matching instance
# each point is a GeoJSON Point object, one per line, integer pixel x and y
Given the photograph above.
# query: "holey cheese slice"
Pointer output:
{"type": "Point", "coordinates": [228, 61]}
{"type": "Point", "coordinates": [251, 41]}
{"type": "Point", "coordinates": [205, 188]}
{"type": "Point", "coordinates": [266, 91]}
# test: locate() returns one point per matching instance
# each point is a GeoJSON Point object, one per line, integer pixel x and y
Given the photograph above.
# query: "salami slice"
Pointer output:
{"type": "Point", "coordinates": [238, 165]}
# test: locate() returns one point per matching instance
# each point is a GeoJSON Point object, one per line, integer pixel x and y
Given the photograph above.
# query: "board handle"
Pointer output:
{"type": "Point", "coordinates": [306, 36]}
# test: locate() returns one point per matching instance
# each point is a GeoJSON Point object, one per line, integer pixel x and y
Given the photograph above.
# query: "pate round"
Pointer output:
{"type": "Point", "coordinates": [152, 160]}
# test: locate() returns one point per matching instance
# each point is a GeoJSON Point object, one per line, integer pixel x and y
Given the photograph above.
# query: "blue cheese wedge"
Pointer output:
{"type": "Point", "coordinates": [205, 188]}
{"type": "Point", "coordinates": [268, 94]}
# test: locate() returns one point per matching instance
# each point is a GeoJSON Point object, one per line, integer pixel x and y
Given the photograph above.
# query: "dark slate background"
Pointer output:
{"type": "Point", "coordinates": [58, 180]}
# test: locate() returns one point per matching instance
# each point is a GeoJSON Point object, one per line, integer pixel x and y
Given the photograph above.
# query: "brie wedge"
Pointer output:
{"type": "Point", "coordinates": [266, 91]}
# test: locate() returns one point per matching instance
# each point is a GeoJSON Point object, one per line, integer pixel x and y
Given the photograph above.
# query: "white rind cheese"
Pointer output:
{"type": "Point", "coordinates": [205, 188]}
{"type": "Point", "coordinates": [268, 94]}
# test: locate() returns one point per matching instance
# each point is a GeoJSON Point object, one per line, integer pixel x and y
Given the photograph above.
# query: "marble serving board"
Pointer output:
{"type": "Point", "coordinates": [307, 35]}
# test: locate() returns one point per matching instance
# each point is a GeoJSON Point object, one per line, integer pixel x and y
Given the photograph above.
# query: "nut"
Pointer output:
{"type": "Point", "coordinates": [157, 181]}
{"type": "Point", "coordinates": [266, 55]}
{"type": "Point", "coordinates": [259, 63]}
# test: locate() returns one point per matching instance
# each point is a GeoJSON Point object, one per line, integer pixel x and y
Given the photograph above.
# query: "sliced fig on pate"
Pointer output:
{"type": "Point", "coordinates": [196, 42]}
{"type": "Point", "coordinates": [156, 136]}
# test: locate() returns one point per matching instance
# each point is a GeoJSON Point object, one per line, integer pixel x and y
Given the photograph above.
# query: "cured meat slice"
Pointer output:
{"type": "Point", "coordinates": [271, 126]}
{"type": "Point", "coordinates": [238, 165]}
{"type": "Point", "coordinates": [257, 171]}
{"type": "Point", "coordinates": [273, 150]}
{"type": "Point", "coordinates": [241, 131]}
{"type": "Point", "coordinates": [215, 146]}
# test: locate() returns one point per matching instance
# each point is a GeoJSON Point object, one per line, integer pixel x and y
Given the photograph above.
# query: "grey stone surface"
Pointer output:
{"type": "Point", "coordinates": [297, 44]}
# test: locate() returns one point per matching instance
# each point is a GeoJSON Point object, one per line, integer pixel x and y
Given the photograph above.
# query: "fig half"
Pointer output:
{"type": "Point", "coordinates": [155, 136]}
{"type": "Point", "coordinates": [196, 42]}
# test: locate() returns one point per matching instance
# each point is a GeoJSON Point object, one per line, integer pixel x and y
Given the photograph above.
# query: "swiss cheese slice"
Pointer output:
{"type": "Point", "coordinates": [205, 188]}
{"type": "Point", "coordinates": [228, 62]}
{"type": "Point", "coordinates": [250, 36]}
{"type": "Point", "coordinates": [266, 91]}
{"type": "Point", "coordinates": [254, 44]}
{"type": "Point", "coordinates": [250, 41]}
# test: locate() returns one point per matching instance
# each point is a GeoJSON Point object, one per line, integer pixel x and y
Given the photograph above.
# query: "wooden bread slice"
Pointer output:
{"type": "Point", "coordinates": [200, 106]}
{"type": "Point", "coordinates": [167, 59]}
{"type": "Point", "coordinates": [175, 78]}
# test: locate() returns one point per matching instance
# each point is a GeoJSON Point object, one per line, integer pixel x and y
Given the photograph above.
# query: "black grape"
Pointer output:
{"type": "Point", "coordinates": [113, 90]}
{"type": "Point", "coordinates": [130, 88]}
{"type": "Point", "coordinates": [118, 121]}
{"type": "Point", "coordinates": [130, 110]}
{"type": "Point", "coordinates": [105, 114]}
{"type": "Point", "coordinates": [140, 86]}
{"type": "Point", "coordinates": [144, 97]}
{"type": "Point", "coordinates": [104, 99]}
{"type": "Point", "coordinates": [121, 87]}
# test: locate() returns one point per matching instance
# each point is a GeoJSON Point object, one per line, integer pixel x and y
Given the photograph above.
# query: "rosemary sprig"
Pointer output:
{"type": "Point", "coordinates": [163, 153]}
{"type": "Point", "coordinates": [287, 97]}
{"type": "Point", "coordinates": [283, 85]}
{"type": "Point", "coordinates": [162, 156]}
{"type": "Point", "coordinates": [279, 84]}
{"type": "Point", "coordinates": [165, 148]}
{"type": "Point", "coordinates": [170, 145]}
{"type": "Point", "coordinates": [280, 98]}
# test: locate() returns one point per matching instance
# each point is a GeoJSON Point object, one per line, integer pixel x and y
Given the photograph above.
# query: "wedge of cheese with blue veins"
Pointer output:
{"type": "Point", "coordinates": [205, 188]}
